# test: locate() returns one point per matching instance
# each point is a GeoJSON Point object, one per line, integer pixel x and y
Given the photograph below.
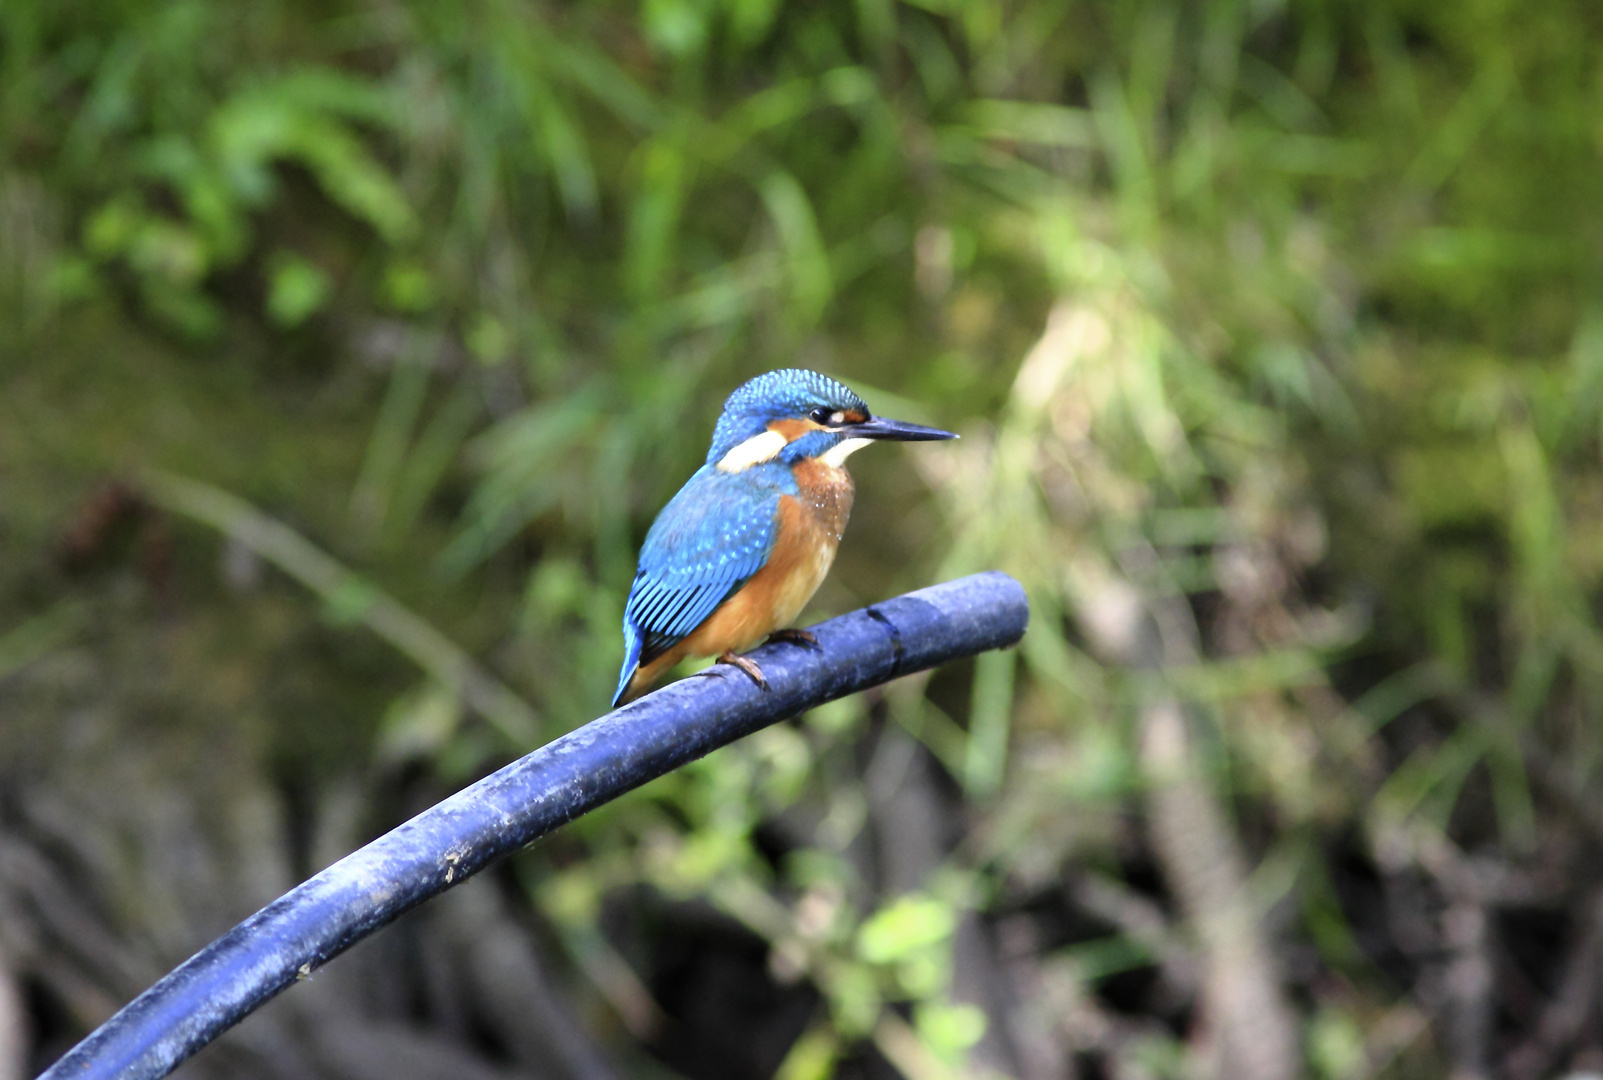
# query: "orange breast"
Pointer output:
{"type": "Point", "coordinates": [809, 530]}
{"type": "Point", "coordinates": [826, 492]}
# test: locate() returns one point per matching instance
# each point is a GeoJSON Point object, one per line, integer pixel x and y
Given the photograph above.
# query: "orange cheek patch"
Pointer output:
{"type": "Point", "coordinates": [793, 429]}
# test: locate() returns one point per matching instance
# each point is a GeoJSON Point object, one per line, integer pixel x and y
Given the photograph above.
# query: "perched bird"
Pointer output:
{"type": "Point", "coordinates": [737, 554]}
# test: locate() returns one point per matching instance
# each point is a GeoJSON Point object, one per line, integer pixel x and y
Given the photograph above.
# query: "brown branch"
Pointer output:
{"type": "Point", "coordinates": [1251, 1030]}
{"type": "Point", "coordinates": [14, 1034]}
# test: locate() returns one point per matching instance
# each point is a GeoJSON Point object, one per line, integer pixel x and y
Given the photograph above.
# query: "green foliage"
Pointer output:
{"type": "Point", "coordinates": [1270, 329]}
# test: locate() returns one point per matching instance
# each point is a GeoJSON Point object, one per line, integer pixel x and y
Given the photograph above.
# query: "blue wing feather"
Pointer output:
{"type": "Point", "coordinates": [707, 542]}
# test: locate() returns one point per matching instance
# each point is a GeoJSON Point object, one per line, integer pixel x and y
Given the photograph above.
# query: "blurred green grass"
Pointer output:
{"type": "Point", "coordinates": [1271, 329]}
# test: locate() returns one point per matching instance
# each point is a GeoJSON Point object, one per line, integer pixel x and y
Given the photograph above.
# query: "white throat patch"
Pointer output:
{"type": "Point", "coordinates": [754, 451]}
{"type": "Point", "coordinates": [836, 456]}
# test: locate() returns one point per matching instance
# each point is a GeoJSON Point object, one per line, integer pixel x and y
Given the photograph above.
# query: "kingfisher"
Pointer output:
{"type": "Point", "coordinates": [738, 552]}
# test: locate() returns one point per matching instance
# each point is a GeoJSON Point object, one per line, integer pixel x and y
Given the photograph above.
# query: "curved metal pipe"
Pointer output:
{"type": "Point", "coordinates": [484, 823]}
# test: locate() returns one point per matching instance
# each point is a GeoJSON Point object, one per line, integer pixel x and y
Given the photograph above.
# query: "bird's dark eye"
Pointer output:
{"type": "Point", "coordinates": [830, 418]}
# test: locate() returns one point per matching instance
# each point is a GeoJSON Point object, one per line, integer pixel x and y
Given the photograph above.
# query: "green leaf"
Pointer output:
{"type": "Point", "coordinates": [408, 287]}
{"type": "Point", "coordinates": [811, 1057]}
{"type": "Point", "coordinates": [349, 603]}
{"type": "Point", "coordinates": [806, 259]}
{"type": "Point", "coordinates": [910, 924]}
{"type": "Point", "coordinates": [296, 290]}
{"type": "Point", "coordinates": [678, 27]}
{"type": "Point", "coordinates": [948, 1029]}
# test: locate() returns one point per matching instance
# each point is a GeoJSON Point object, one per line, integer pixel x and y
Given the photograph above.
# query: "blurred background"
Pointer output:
{"type": "Point", "coordinates": [348, 349]}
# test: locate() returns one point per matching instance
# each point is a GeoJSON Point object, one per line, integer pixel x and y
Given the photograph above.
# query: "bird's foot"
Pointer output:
{"type": "Point", "coordinates": [805, 638]}
{"type": "Point", "coordinates": [748, 666]}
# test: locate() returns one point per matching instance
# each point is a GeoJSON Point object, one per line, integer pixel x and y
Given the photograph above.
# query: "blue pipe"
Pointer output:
{"type": "Point", "coordinates": [482, 824]}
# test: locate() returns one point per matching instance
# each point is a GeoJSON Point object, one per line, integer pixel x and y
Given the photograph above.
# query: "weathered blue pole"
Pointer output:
{"type": "Point", "coordinates": [484, 823]}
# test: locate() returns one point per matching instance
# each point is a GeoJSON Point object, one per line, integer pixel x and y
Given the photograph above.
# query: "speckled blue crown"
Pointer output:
{"type": "Point", "coordinates": [776, 394]}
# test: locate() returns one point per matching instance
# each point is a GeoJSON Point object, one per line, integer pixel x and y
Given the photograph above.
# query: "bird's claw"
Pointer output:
{"type": "Point", "coordinates": [805, 638]}
{"type": "Point", "coordinates": [749, 667]}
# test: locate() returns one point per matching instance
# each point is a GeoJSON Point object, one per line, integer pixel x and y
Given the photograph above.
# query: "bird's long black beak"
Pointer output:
{"type": "Point", "coordinates": [900, 430]}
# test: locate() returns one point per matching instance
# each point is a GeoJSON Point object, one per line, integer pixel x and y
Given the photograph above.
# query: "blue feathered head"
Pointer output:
{"type": "Point", "coordinates": [789, 393]}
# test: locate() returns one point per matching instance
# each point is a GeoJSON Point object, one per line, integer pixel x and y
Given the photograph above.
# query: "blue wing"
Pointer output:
{"type": "Point", "coordinates": [707, 542]}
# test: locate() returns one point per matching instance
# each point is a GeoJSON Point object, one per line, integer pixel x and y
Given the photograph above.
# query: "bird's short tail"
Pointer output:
{"type": "Point", "coordinates": [632, 643]}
